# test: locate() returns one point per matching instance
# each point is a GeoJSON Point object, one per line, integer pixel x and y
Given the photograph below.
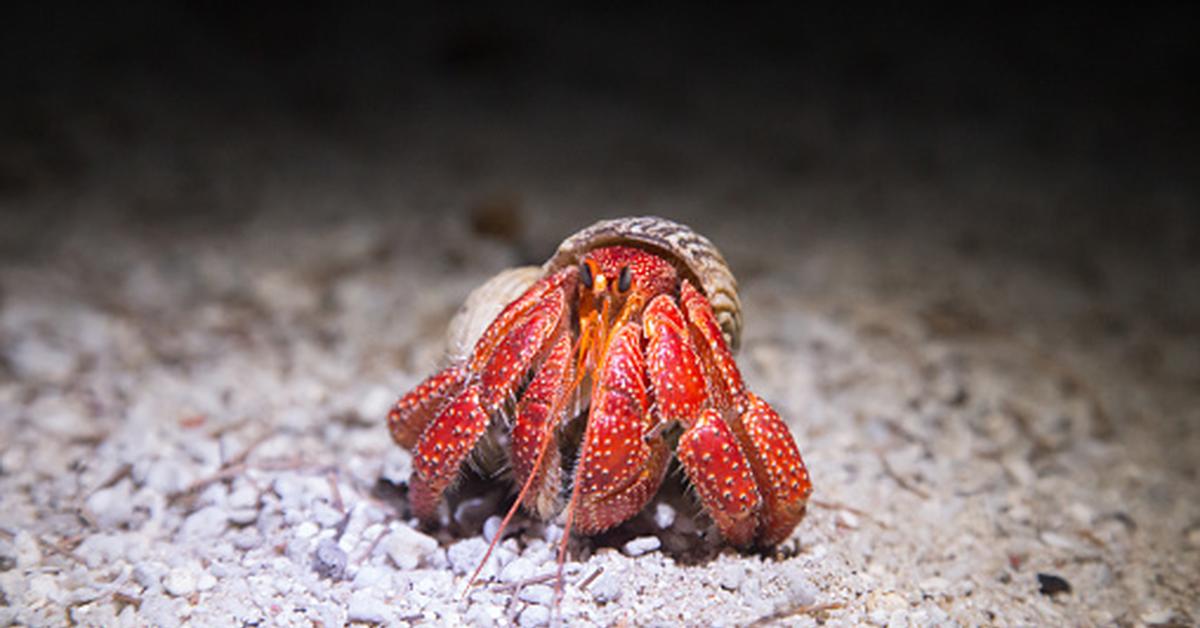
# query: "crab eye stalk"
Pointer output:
{"type": "Point", "coordinates": [585, 275]}
{"type": "Point", "coordinates": [625, 280]}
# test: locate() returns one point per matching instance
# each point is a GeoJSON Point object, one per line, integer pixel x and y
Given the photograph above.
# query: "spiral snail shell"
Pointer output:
{"type": "Point", "coordinates": [693, 254]}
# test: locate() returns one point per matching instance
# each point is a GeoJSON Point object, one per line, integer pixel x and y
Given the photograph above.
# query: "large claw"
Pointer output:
{"type": "Point", "coordinates": [534, 446]}
{"type": "Point", "coordinates": [413, 412]}
{"type": "Point", "coordinates": [618, 470]}
{"type": "Point", "coordinates": [778, 469]}
{"type": "Point", "coordinates": [443, 447]}
{"type": "Point", "coordinates": [715, 465]}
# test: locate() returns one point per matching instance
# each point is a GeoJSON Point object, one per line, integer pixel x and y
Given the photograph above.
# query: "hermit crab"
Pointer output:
{"type": "Point", "coordinates": [595, 367]}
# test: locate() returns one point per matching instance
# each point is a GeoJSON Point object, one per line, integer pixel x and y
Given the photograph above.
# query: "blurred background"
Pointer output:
{"type": "Point", "coordinates": [1048, 131]}
{"type": "Point", "coordinates": [968, 246]}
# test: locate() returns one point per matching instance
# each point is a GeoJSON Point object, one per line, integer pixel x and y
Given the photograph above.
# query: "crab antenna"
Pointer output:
{"type": "Point", "coordinates": [547, 440]}
{"type": "Point", "coordinates": [508, 517]}
{"type": "Point", "coordinates": [562, 552]}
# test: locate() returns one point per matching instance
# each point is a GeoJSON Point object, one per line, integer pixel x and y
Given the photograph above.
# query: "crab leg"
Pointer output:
{"type": "Point", "coordinates": [618, 469]}
{"type": "Point", "coordinates": [708, 450]}
{"type": "Point", "coordinates": [535, 456]}
{"type": "Point", "coordinates": [452, 435]}
{"type": "Point", "coordinates": [414, 411]}
{"type": "Point", "coordinates": [778, 469]}
{"type": "Point", "coordinates": [727, 388]}
{"type": "Point", "coordinates": [774, 459]}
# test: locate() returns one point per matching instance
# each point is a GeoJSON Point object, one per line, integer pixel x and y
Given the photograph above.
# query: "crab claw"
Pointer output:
{"type": "Point", "coordinates": [715, 465]}
{"type": "Point", "coordinates": [778, 469]}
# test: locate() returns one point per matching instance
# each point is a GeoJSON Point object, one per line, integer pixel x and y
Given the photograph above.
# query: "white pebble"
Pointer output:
{"type": "Point", "coordinates": [731, 576]}
{"type": "Point", "coordinates": [607, 587]}
{"type": "Point", "coordinates": [28, 551]}
{"type": "Point", "coordinates": [167, 477]}
{"type": "Point", "coordinates": [149, 575]}
{"type": "Point", "coordinates": [365, 607]}
{"type": "Point", "coordinates": [329, 559]}
{"type": "Point", "coordinates": [519, 570]}
{"type": "Point", "coordinates": [407, 547]}
{"type": "Point", "coordinates": [244, 495]}
{"type": "Point", "coordinates": [466, 555]}
{"type": "Point", "coordinates": [243, 516]}
{"type": "Point", "coordinates": [180, 582]}
{"type": "Point", "coordinates": [491, 527]}
{"type": "Point", "coordinates": [111, 506]}
{"type": "Point", "coordinates": [534, 615]}
{"type": "Point", "coordinates": [205, 523]}
{"type": "Point", "coordinates": [664, 515]}
{"type": "Point", "coordinates": [206, 582]}
{"type": "Point", "coordinates": [802, 591]}
{"type": "Point", "coordinates": [369, 576]}
{"type": "Point", "coordinates": [42, 589]}
{"type": "Point", "coordinates": [642, 545]}
{"type": "Point", "coordinates": [374, 405]}
{"type": "Point", "coordinates": [100, 549]}
{"type": "Point", "coordinates": [325, 515]}
{"type": "Point", "coordinates": [307, 530]}
{"type": "Point", "coordinates": [537, 594]}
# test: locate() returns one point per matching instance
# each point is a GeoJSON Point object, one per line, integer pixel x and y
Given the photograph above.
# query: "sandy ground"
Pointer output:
{"type": "Point", "coordinates": [986, 346]}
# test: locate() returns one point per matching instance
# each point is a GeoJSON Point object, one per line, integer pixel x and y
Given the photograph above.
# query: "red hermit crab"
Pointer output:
{"type": "Point", "coordinates": [629, 329]}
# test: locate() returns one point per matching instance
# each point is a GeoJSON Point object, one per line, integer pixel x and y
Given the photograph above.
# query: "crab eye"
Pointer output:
{"type": "Point", "coordinates": [585, 275]}
{"type": "Point", "coordinates": [625, 280]}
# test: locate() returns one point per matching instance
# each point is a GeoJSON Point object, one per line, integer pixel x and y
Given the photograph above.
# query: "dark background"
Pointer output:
{"type": "Point", "coordinates": [1093, 109]}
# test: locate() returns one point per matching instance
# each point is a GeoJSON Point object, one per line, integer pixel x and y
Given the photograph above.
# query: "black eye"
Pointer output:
{"type": "Point", "coordinates": [625, 280]}
{"type": "Point", "coordinates": [585, 275]}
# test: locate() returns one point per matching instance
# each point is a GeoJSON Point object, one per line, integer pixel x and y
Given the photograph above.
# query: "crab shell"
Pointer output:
{"type": "Point", "coordinates": [692, 254]}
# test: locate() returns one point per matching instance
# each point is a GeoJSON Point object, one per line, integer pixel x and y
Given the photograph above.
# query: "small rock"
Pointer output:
{"type": "Point", "coordinates": [329, 560]}
{"type": "Point", "coordinates": [1050, 584]}
{"type": "Point", "coordinates": [934, 585]}
{"type": "Point", "coordinates": [100, 549]}
{"type": "Point", "coordinates": [288, 487]}
{"type": "Point", "coordinates": [801, 589]}
{"type": "Point", "coordinates": [243, 496]}
{"type": "Point", "coordinates": [397, 466]}
{"type": "Point", "coordinates": [243, 516]}
{"type": "Point", "coordinates": [149, 575]}
{"type": "Point", "coordinates": [483, 615]}
{"type": "Point", "coordinates": [408, 548]}
{"type": "Point", "coordinates": [731, 575]}
{"type": "Point", "coordinates": [1157, 616]}
{"type": "Point", "coordinates": [491, 527]}
{"type": "Point", "coordinates": [537, 594]}
{"type": "Point", "coordinates": [534, 615]}
{"type": "Point", "coordinates": [664, 515]}
{"type": "Point", "coordinates": [1055, 539]}
{"type": "Point", "coordinates": [642, 545]}
{"type": "Point", "coordinates": [206, 582]}
{"type": "Point", "coordinates": [306, 530]}
{"type": "Point", "coordinates": [111, 506]}
{"type": "Point", "coordinates": [42, 589]}
{"type": "Point", "coordinates": [167, 477]}
{"type": "Point", "coordinates": [180, 582]}
{"type": "Point", "coordinates": [27, 550]}
{"type": "Point", "coordinates": [365, 607]}
{"type": "Point", "coordinates": [326, 516]}
{"type": "Point", "coordinates": [518, 570]}
{"type": "Point", "coordinates": [607, 587]}
{"type": "Point", "coordinates": [375, 404]}
{"type": "Point", "coordinates": [247, 540]}
{"type": "Point", "coordinates": [466, 555]}
{"type": "Point", "coordinates": [369, 576]}
{"type": "Point", "coordinates": [205, 523]}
